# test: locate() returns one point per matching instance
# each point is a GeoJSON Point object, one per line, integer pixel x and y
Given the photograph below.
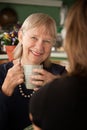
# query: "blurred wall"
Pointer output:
{"type": "Point", "coordinates": [24, 10]}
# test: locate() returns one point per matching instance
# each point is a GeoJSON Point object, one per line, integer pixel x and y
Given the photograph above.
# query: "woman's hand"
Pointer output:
{"type": "Point", "coordinates": [14, 77]}
{"type": "Point", "coordinates": [43, 77]}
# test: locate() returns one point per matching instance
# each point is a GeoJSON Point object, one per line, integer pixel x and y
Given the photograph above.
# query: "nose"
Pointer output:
{"type": "Point", "coordinates": [39, 45]}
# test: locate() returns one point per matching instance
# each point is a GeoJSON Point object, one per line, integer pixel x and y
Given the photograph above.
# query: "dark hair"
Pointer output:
{"type": "Point", "coordinates": [8, 16]}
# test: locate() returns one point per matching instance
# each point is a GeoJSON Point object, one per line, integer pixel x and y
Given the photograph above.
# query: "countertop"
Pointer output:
{"type": "Point", "coordinates": [58, 55]}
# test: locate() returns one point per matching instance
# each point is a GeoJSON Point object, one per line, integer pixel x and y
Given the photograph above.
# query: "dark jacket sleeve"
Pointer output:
{"type": "Point", "coordinates": [56, 69]}
{"type": "Point", "coordinates": [3, 98]}
{"type": "Point", "coordinates": [3, 111]}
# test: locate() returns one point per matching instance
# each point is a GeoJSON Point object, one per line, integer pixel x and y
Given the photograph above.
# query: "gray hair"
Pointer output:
{"type": "Point", "coordinates": [33, 21]}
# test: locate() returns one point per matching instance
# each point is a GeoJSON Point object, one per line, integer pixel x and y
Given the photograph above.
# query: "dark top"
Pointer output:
{"type": "Point", "coordinates": [61, 105]}
{"type": "Point", "coordinates": [14, 110]}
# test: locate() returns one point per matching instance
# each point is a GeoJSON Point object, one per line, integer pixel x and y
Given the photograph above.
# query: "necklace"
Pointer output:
{"type": "Point", "coordinates": [23, 94]}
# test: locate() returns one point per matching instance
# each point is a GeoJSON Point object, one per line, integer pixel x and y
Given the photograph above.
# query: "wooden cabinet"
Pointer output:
{"type": "Point", "coordinates": [34, 2]}
{"type": "Point", "coordinates": [3, 61]}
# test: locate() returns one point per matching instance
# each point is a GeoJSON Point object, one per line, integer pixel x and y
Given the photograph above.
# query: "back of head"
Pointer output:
{"type": "Point", "coordinates": [75, 42]}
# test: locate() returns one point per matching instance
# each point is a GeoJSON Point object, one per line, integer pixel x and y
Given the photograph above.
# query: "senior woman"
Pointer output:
{"type": "Point", "coordinates": [36, 38]}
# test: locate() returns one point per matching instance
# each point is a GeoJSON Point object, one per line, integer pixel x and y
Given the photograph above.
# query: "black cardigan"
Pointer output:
{"type": "Point", "coordinates": [14, 110]}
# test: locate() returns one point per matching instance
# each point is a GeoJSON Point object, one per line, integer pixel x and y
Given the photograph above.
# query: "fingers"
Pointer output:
{"type": "Point", "coordinates": [15, 74]}
{"type": "Point", "coordinates": [17, 61]}
{"type": "Point", "coordinates": [43, 77]}
{"type": "Point", "coordinates": [37, 77]}
{"type": "Point", "coordinates": [38, 80]}
{"type": "Point", "coordinates": [39, 71]}
{"type": "Point", "coordinates": [37, 83]}
{"type": "Point", "coordinates": [17, 66]}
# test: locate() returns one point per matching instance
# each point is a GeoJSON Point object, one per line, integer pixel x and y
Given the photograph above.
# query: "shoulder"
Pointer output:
{"type": "Point", "coordinates": [59, 85]}
{"type": "Point", "coordinates": [3, 70]}
{"type": "Point", "coordinates": [6, 66]}
{"type": "Point", "coordinates": [58, 89]}
{"type": "Point", "coordinates": [56, 69]}
{"type": "Point", "coordinates": [56, 100]}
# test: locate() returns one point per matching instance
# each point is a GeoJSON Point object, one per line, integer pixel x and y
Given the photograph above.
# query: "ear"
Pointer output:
{"type": "Point", "coordinates": [30, 116]}
{"type": "Point", "coordinates": [20, 36]}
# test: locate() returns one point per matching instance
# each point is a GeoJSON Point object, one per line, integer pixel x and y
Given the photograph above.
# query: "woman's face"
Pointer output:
{"type": "Point", "coordinates": [36, 45]}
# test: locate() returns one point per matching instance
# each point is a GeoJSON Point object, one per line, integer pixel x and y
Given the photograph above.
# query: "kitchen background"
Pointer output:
{"type": "Point", "coordinates": [22, 8]}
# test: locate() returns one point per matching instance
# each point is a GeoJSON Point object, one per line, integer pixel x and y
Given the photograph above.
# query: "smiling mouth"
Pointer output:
{"type": "Point", "coordinates": [36, 53]}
